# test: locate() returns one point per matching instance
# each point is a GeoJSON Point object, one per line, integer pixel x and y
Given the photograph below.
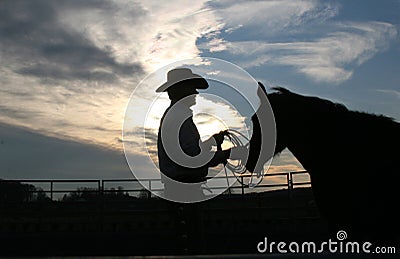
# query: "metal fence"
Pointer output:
{"type": "Point", "coordinates": [54, 188]}
{"type": "Point", "coordinates": [223, 223]}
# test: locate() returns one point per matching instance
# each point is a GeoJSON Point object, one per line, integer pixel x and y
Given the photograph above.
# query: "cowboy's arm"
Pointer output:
{"type": "Point", "coordinates": [190, 143]}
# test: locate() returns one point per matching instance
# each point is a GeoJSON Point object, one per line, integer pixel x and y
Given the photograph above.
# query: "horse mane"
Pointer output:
{"type": "Point", "coordinates": [327, 105]}
{"type": "Point", "coordinates": [281, 90]}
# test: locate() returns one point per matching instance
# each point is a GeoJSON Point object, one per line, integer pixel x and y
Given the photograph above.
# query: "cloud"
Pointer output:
{"type": "Point", "coordinates": [392, 92]}
{"type": "Point", "coordinates": [299, 35]}
{"type": "Point", "coordinates": [15, 113]}
{"type": "Point", "coordinates": [330, 58]}
{"type": "Point", "coordinates": [216, 45]}
{"type": "Point", "coordinates": [34, 42]}
{"type": "Point", "coordinates": [68, 68]}
{"type": "Point", "coordinates": [285, 162]}
{"type": "Point", "coordinates": [57, 81]}
{"type": "Point", "coordinates": [152, 32]}
{"type": "Point", "coordinates": [272, 17]}
{"type": "Point", "coordinates": [28, 155]}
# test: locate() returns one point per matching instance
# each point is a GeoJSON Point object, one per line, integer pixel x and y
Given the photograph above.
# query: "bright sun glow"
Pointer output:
{"type": "Point", "coordinates": [155, 113]}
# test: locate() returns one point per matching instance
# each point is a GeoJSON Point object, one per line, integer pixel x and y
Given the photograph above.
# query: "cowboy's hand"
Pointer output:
{"type": "Point", "coordinates": [219, 137]}
{"type": "Point", "coordinates": [239, 153]}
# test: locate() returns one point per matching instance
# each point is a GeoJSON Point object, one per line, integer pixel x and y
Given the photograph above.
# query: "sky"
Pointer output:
{"type": "Point", "coordinates": [68, 68]}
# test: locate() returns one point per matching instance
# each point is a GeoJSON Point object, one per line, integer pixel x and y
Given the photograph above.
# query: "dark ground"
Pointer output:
{"type": "Point", "coordinates": [227, 226]}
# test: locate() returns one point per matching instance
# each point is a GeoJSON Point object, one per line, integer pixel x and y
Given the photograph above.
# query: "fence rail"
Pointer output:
{"type": "Point", "coordinates": [101, 186]}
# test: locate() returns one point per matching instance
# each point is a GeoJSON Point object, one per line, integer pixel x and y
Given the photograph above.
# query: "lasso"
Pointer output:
{"type": "Point", "coordinates": [239, 169]}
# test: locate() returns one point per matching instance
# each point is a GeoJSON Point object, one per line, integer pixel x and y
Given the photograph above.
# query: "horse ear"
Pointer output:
{"type": "Point", "coordinates": [262, 87]}
{"type": "Point", "coordinates": [262, 93]}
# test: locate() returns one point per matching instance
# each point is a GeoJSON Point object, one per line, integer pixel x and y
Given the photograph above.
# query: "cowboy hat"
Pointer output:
{"type": "Point", "coordinates": [177, 75]}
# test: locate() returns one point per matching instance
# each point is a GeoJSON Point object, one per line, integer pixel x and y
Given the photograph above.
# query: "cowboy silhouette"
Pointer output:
{"type": "Point", "coordinates": [177, 122]}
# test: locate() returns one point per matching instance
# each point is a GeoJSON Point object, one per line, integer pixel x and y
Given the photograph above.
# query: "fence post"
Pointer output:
{"type": "Point", "coordinates": [102, 206]}
{"type": "Point", "coordinates": [101, 192]}
{"type": "Point", "coordinates": [51, 190]}
{"type": "Point", "coordinates": [290, 188]}
{"type": "Point", "coordinates": [100, 186]}
{"type": "Point", "coordinates": [241, 179]}
{"type": "Point", "coordinates": [149, 191]}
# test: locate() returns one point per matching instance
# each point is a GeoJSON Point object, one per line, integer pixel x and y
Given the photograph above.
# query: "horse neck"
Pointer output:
{"type": "Point", "coordinates": [298, 135]}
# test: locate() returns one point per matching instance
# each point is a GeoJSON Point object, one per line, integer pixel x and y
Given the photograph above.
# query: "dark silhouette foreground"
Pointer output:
{"type": "Point", "coordinates": [351, 157]}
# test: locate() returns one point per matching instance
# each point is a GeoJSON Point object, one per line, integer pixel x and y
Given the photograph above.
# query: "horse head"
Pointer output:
{"type": "Point", "coordinates": [278, 97]}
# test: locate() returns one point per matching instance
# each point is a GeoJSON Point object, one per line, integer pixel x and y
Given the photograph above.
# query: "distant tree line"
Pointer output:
{"type": "Point", "coordinates": [93, 194]}
{"type": "Point", "coordinates": [20, 192]}
{"type": "Point", "coordinates": [11, 191]}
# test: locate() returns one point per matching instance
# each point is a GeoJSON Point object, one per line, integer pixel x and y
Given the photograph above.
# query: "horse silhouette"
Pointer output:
{"type": "Point", "coordinates": [351, 158]}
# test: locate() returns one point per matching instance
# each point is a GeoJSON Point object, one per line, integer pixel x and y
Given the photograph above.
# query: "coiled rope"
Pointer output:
{"type": "Point", "coordinates": [239, 169]}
